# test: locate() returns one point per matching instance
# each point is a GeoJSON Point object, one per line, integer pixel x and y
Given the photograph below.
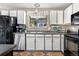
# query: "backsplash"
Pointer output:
{"type": "Point", "coordinates": [74, 28]}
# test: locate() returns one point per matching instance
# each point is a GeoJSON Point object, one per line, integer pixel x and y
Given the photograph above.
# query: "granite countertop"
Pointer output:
{"type": "Point", "coordinates": [42, 32]}
{"type": "Point", "coordinates": [46, 32]}
{"type": "Point", "coordinates": [6, 48]}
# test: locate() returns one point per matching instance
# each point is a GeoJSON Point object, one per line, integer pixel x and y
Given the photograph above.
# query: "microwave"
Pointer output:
{"type": "Point", "coordinates": [75, 18]}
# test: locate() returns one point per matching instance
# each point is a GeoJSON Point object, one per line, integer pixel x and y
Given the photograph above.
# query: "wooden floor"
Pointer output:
{"type": "Point", "coordinates": [36, 53]}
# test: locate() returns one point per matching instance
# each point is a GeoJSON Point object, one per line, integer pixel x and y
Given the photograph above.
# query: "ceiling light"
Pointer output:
{"type": "Point", "coordinates": [37, 5]}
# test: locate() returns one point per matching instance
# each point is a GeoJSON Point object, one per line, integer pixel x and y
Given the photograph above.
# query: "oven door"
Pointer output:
{"type": "Point", "coordinates": [72, 46]}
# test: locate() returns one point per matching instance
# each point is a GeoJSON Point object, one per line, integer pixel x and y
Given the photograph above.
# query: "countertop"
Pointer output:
{"type": "Point", "coordinates": [5, 48]}
{"type": "Point", "coordinates": [42, 32]}
{"type": "Point", "coordinates": [49, 32]}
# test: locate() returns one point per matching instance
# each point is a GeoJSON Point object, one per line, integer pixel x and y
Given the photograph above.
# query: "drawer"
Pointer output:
{"type": "Point", "coordinates": [56, 35]}
{"type": "Point", "coordinates": [39, 36]}
{"type": "Point", "coordinates": [48, 36]}
{"type": "Point", "coordinates": [30, 35]}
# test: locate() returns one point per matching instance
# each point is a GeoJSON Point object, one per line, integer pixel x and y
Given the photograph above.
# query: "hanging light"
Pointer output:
{"type": "Point", "coordinates": [36, 5]}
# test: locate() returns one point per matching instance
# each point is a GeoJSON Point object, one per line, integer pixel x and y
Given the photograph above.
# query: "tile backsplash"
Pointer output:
{"type": "Point", "coordinates": [74, 28]}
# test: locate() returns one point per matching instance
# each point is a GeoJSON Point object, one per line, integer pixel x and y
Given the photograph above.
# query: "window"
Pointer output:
{"type": "Point", "coordinates": [38, 22]}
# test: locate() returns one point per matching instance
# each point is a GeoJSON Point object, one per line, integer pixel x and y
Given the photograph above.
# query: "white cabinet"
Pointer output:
{"type": "Point", "coordinates": [56, 17]}
{"type": "Point", "coordinates": [48, 42]}
{"type": "Point", "coordinates": [67, 15]}
{"type": "Point", "coordinates": [4, 12]}
{"type": "Point", "coordinates": [75, 7]}
{"type": "Point", "coordinates": [39, 42]}
{"type": "Point", "coordinates": [22, 41]}
{"type": "Point", "coordinates": [56, 42]}
{"type": "Point", "coordinates": [62, 43]}
{"type": "Point", "coordinates": [30, 42]}
{"type": "Point", "coordinates": [19, 41]}
{"type": "Point", "coordinates": [53, 17]}
{"type": "Point", "coordinates": [59, 17]}
{"type": "Point", "coordinates": [13, 13]}
{"type": "Point", "coordinates": [16, 41]}
{"type": "Point", "coordinates": [21, 16]}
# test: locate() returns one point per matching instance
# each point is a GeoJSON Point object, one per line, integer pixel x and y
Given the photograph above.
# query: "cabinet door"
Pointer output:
{"type": "Point", "coordinates": [22, 42]}
{"type": "Point", "coordinates": [67, 15]}
{"type": "Point", "coordinates": [20, 17]}
{"type": "Point", "coordinates": [62, 43]}
{"type": "Point", "coordinates": [13, 13]}
{"type": "Point", "coordinates": [56, 42]}
{"type": "Point", "coordinates": [19, 41]}
{"type": "Point", "coordinates": [48, 42]}
{"type": "Point", "coordinates": [60, 17]}
{"type": "Point", "coordinates": [39, 42]}
{"type": "Point", "coordinates": [53, 18]}
{"type": "Point", "coordinates": [4, 12]}
{"type": "Point", "coordinates": [75, 7]}
{"type": "Point", "coordinates": [16, 41]}
{"type": "Point", "coordinates": [30, 42]}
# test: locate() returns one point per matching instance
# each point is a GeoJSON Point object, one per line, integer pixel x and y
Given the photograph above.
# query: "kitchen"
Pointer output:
{"type": "Point", "coordinates": [40, 29]}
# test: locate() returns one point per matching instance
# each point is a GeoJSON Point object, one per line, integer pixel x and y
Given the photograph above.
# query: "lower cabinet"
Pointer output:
{"type": "Point", "coordinates": [48, 42]}
{"type": "Point", "coordinates": [56, 43]}
{"type": "Point", "coordinates": [62, 43]}
{"type": "Point", "coordinates": [19, 41]}
{"type": "Point", "coordinates": [39, 42]}
{"type": "Point", "coordinates": [30, 42]}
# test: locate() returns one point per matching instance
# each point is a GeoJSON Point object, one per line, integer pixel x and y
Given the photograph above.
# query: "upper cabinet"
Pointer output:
{"type": "Point", "coordinates": [75, 7]}
{"type": "Point", "coordinates": [21, 17]}
{"type": "Point", "coordinates": [53, 17]}
{"type": "Point", "coordinates": [13, 13]}
{"type": "Point", "coordinates": [56, 17]}
{"type": "Point", "coordinates": [20, 14]}
{"type": "Point", "coordinates": [60, 17]}
{"type": "Point", "coordinates": [4, 12]}
{"type": "Point", "coordinates": [67, 15]}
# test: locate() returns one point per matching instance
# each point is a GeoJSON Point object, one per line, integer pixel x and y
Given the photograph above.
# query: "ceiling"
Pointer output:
{"type": "Point", "coordinates": [31, 5]}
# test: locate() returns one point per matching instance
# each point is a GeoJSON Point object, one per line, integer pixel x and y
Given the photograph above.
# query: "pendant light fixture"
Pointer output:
{"type": "Point", "coordinates": [36, 5]}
